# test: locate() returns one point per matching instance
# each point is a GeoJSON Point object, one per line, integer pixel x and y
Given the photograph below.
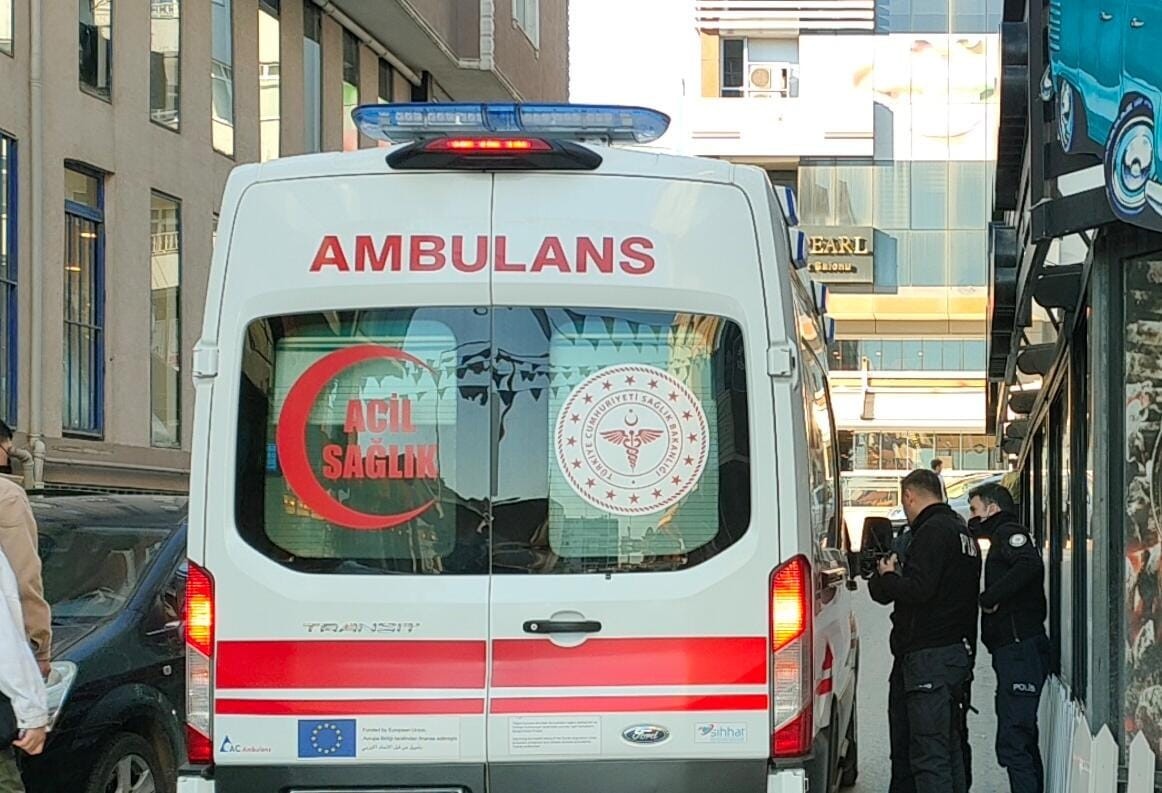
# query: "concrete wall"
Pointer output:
{"type": "Point", "coordinates": [538, 73]}
{"type": "Point", "coordinates": [118, 138]}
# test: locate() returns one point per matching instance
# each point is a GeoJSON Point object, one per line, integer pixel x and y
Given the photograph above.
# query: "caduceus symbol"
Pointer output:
{"type": "Point", "coordinates": [631, 438]}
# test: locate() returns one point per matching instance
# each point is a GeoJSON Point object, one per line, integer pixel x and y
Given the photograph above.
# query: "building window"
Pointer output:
{"type": "Point", "coordinates": [929, 195]}
{"type": "Point", "coordinates": [908, 355]}
{"type": "Point", "coordinates": [312, 76]}
{"type": "Point", "coordinates": [9, 358]}
{"type": "Point", "coordinates": [350, 90]}
{"type": "Point", "coordinates": [269, 80]}
{"type": "Point", "coordinates": [84, 309]}
{"type": "Point", "coordinates": [903, 451]}
{"type": "Point", "coordinates": [968, 258]}
{"type": "Point", "coordinates": [760, 68]}
{"type": "Point", "coordinates": [165, 328]}
{"type": "Point", "coordinates": [222, 75]}
{"type": "Point", "coordinates": [96, 46]}
{"type": "Point", "coordinates": [165, 41]}
{"type": "Point", "coordinates": [6, 26]}
{"type": "Point", "coordinates": [526, 15]}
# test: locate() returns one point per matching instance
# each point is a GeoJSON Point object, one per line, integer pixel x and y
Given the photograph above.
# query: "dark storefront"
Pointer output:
{"type": "Point", "coordinates": [1075, 360]}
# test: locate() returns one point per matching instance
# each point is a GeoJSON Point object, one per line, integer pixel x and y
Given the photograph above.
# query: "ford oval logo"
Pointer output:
{"type": "Point", "coordinates": [645, 734]}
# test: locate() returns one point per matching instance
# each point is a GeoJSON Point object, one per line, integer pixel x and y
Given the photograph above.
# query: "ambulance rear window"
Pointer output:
{"type": "Point", "coordinates": [505, 440]}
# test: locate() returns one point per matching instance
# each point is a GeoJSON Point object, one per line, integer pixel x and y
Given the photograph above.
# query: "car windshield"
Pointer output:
{"type": "Point", "coordinates": [960, 489]}
{"type": "Point", "coordinates": [91, 571]}
{"type": "Point", "coordinates": [868, 491]}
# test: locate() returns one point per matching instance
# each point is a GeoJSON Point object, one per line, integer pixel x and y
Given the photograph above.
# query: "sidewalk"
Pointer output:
{"type": "Point", "coordinates": [875, 664]}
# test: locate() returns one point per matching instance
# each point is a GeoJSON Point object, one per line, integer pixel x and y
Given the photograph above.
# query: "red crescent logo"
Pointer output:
{"type": "Point", "coordinates": [291, 438]}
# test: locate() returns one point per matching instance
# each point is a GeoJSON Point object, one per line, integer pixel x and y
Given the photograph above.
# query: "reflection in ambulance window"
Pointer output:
{"type": "Point", "coordinates": [644, 418]}
{"type": "Point", "coordinates": [511, 440]}
{"type": "Point", "coordinates": [359, 438]}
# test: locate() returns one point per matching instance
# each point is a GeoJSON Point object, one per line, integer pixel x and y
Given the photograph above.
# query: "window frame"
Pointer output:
{"type": "Point", "coordinates": [313, 132]}
{"type": "Point", "coordinates": [791, 90]}
{"type": "Point", "coordinates": [273, 9]}
{"type": "Point", "coordinates": [178, 380]}
{"type": "Point", "coordinates": [93, 90]}
{"type": "Point", "coordinates": [177, 125]}
{"type": "Point", "coordinates": [97, 326]}
{"type": "Point", "coordinates": [528, 23]}
{"type": "Point", "coordinates": [351, 46]}
{"type": "Point", "coordinates": [10, 333]}
{"type": "Point", "coordinates": [10, 50]}
{"type": "Point", "coordinates": [230, 5]}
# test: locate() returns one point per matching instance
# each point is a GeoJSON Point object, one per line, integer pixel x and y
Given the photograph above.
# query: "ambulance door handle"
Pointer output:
{"type": "Point", "coordinates": [545, 627]}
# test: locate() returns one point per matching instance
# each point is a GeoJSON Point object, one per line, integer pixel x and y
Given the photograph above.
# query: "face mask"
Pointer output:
{"type": "Point", "coordinates": [974, 524]}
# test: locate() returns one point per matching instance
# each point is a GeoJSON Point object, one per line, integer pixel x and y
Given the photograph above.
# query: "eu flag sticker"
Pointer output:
{"type": "Point", "coordinates": [327, 738]}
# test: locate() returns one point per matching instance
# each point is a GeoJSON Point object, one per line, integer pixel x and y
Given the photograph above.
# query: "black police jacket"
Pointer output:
{"type": "Point", "coordinates": [935, 593]}
{"type": "Point", "coordinates": [1014, 578]}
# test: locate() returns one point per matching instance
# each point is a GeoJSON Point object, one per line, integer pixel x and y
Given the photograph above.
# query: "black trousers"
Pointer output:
{"type": "Point", "coordinates": [1021, 669]}
{"type": "Point", "coordinates": [926, 704]}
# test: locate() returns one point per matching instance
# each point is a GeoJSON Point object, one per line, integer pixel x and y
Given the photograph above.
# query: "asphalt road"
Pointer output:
{"type": "Point", "coordinates": [875, 664]}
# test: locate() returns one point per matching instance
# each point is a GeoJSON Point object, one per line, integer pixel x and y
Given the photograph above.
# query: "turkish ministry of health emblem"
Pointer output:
{"type": "Point", "coordinates": [632, 440]}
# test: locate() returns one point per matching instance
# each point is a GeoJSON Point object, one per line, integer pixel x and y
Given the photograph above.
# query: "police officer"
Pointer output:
{"type": "Point", "coordinates": [1012, 626]}
{"type": "Point", "coordinates": [935, 596]}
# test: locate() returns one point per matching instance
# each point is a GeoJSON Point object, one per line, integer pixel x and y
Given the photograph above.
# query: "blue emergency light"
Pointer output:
{"type": "Point", "coordinates": [420, 121]}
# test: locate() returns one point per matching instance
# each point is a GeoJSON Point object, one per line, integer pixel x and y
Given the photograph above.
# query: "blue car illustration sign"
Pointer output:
{"type": "Point", "coordinates": [1105, 76]}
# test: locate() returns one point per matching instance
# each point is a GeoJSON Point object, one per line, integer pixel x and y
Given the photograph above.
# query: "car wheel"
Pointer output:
{"type": "Point", "coordinates": [1071, 130]}
{"type": "Point", "coordinates": [129, 764]}
{"type": "Point", "coordinates": [1129, 160]}
{"type": "Point", "coordinates": [849, 765]}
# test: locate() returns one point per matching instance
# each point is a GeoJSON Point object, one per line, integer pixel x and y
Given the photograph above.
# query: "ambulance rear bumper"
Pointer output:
{"type": "Point", "coordinates": [673, 776]}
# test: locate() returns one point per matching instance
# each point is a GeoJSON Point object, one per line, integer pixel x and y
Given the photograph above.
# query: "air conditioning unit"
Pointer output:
{"type": "Point", "coordinates": [771, 77]}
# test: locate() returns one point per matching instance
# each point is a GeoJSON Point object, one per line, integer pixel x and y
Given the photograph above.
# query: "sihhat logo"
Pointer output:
{"type": "Point", "coordinates": [721, 733]}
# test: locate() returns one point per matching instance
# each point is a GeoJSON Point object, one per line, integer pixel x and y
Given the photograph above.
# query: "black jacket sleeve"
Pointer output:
{"type": "Point", "coordinates": [875, 588]}
{"type": "Point", "coordinates": [917, 583]}
{"type": "Point", "coordinates": [1024, 562]}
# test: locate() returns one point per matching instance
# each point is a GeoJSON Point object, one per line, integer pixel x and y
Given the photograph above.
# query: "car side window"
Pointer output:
{"type": "Point", "coordinates": [173, 596]}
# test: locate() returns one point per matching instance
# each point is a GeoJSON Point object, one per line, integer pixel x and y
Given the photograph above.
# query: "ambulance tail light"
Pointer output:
{"type": "Point", "coordinates": [792, 692]}
{"type": "Point", "coordinates": [199, 614]}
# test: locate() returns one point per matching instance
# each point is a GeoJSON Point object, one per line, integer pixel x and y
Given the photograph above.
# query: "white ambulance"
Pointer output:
{"type": "Point", "coordinates": [514, 472]}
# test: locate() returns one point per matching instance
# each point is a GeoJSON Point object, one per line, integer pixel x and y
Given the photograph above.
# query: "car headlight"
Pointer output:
{"type": "Point", "coordinates": [59, 683]}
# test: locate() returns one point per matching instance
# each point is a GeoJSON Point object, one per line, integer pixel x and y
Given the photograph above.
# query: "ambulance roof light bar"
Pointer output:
{"type": "Point", "coordinates": [422, 121]}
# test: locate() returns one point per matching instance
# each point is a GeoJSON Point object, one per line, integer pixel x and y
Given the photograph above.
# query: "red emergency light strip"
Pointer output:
{"type": "Point", "coordinates": [487, 145]}
{"type": "Point", "coordinates": [689, 661]}
{"type": "Point", "coordinates": [351, 664]}
{"type": "Point", "coordinates": [650, 704]}
{"type": "Point", "coordinates": [350, 707]}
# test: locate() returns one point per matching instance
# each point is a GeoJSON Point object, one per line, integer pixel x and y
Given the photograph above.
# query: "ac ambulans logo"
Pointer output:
{"type": "Point", "coordinates": [632, 440]}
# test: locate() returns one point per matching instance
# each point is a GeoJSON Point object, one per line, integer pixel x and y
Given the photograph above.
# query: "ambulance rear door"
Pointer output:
{"type": "Point", "coordinates": [633, 541]}
{"type": "Point", "coordinates": [349, 561]}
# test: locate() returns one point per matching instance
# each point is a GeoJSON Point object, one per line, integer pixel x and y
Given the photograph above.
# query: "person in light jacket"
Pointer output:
{"type": "Point", "coordinates": [18, 540]}
{"type": "Point", "coordinates": [20, 682]}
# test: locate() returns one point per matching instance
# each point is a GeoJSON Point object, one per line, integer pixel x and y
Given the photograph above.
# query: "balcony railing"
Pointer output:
{"type": "Point", "coordinates": [785, 15]}
{"type": "Point", "coordinates": [777, 127]}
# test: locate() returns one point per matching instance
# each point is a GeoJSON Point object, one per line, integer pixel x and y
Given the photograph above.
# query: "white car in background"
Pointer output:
{"type": "Point", "coordinates": [868, 494]}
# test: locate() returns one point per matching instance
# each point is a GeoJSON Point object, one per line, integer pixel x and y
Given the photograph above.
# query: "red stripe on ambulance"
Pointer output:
{"type": "Point", "coordinates": [351, 664]}
{"type": "Point", "coordinates": [646, 704]}
{"type": "Point", "coordinates": [690, 661]}
{"type": "Point", "coordinates": [349, 707]}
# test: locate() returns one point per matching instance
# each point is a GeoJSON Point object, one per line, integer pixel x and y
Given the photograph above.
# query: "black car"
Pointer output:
{"type": "Point", "coordinates": [114, 574]}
